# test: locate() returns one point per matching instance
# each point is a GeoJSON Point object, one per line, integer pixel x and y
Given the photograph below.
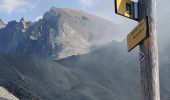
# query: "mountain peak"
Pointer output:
{"type": "Point", "coordinates": [65, 12]}
{"type": "Point", "coordinates": [76, 13]}
{"type": "Point", "coordinates": [23, 24]}
{"type": "Point", "coordinates": [22, 20]}
{"type": "Point", "coordinates": [53, 13]}
{"type": "Point", "coordinates": [54, 8]}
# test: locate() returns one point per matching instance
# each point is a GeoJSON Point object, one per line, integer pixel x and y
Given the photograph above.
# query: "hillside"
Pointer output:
{"type": "Point", "coordinates": [114, 59]}
{"type": "Point", "coordinates": [112, 67]}
{"type": "Point", "coordinates": [59, 34]}
{"type": "Point", "coordinates": [95, 76]}
{"type": "Point", "coordinates": [107, 73]}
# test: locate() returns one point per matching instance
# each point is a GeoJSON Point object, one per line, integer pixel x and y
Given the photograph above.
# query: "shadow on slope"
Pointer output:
{"type": "Point", "coordinates": [112, 67]}
{"type": "Point", "coordinates": [108, 73]}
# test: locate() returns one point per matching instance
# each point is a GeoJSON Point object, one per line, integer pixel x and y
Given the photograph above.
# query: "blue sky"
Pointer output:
{"type": "Point", "coordinates": [33, 9]}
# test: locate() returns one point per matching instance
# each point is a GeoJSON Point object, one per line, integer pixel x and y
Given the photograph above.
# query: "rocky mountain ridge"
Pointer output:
{"type": "Point", "coordinates": [59, 34]}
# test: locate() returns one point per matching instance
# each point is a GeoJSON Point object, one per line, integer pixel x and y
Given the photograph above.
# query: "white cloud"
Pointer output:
{"type": "Point", "coordinates": [86, 3]}
{"type": "Point", "coordinates": [9, 6]}
{"type": "Point", "coordinates": [38, 18]}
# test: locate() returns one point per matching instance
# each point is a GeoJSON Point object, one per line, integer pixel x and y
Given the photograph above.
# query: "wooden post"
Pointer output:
{"type": "Point", "coordinates": [149, 67]}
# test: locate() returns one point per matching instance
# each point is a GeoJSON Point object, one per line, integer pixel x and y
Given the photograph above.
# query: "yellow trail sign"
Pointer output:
{"type": "Point", "coordinates": [137, 35]}
{"type": "Point", "coordinates": [126, 8]}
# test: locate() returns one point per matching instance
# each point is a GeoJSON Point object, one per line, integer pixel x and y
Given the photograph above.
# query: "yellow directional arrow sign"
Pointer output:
{"type": "Point", "coordinates": [137, 35]}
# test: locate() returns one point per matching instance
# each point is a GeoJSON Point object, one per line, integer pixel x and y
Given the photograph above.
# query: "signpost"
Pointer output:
{"type": "Point", "coordinates": [145, 36]}
{"type": "Point", "coordinates": [127, 8]}
{"type": "Point", "coordinates": [149, 67]}
{"type": "Point", "coordinates": [137, 35]}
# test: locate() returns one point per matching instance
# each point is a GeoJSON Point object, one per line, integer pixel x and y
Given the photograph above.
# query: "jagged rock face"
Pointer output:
{"type": "Point", "coordinates": [12, 36]}
{"type": "Point", "coordinates": [2, 24]}
{"type": "Point", "coordinates": [61, 33]}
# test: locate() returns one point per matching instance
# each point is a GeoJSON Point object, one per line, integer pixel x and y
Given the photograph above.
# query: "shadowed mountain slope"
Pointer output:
{"type": "Point", "coordinates": [76, 79]}
{"type": "Point", "coordinates": [107, 73]}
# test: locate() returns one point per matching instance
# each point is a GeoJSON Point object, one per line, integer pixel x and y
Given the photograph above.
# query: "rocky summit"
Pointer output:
{"type": "Point", "coordinates": [59, 34]}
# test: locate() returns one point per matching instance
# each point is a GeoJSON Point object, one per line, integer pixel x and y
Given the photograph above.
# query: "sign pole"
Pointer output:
{"type": "Point", "coordinates": [149, 67]}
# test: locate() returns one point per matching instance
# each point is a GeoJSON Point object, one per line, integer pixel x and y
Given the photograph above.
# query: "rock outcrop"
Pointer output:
{"type": "Point", "coordinates": [2, 24]}
{"type": "Point", "coordinates": [5, 95]}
